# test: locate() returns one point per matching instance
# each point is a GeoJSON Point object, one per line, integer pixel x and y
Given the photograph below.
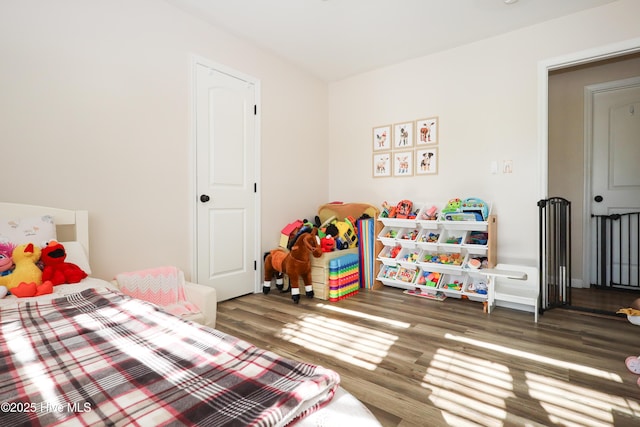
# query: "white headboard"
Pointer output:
{"type": "Point", "coordinates": [78, 220]}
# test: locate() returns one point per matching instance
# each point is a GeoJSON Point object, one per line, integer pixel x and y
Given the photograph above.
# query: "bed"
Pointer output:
{"type": "Point", "coordinates": [87, 354]}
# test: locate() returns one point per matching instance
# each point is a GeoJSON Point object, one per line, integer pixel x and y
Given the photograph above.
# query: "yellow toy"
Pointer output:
{"type": "Point", "coordinates": [346, 234]}
{"type": "Point", "coordinates": [25, 258]}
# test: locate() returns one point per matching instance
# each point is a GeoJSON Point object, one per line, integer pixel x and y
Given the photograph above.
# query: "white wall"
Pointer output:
{"type": "Point", "coordinates": [486, 97]}
{"type": "Point", "coordinates": [94, 114]}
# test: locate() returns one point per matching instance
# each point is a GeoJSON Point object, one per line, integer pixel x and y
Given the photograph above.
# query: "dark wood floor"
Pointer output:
{"type": "Point", "coordinates": [602, 300]}
{"type": "Point", "coordinates": [416, 362]}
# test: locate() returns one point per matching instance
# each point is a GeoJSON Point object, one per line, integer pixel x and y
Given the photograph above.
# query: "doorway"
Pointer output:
{"type": "Point", "coordinates": [226, 198]}
{"type": "Point", "coordinates": [565, 162]}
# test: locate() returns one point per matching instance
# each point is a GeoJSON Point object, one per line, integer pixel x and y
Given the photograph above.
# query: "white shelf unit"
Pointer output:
{"type": "Point", "coordinates": [438, 250]}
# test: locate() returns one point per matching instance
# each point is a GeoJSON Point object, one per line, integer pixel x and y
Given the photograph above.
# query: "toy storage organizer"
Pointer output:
{"type": "Point", "coordinates": [438, 255]}
{"type": "Point", "coordinates": [335, 275]}
{"type": "Point", "coordinates": [368, 247]}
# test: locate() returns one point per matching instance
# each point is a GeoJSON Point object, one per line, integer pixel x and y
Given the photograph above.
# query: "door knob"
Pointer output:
{"type": "Point", "coordinates": [598, 199]}
{"type": "Point", "coordinates": [204, 198]}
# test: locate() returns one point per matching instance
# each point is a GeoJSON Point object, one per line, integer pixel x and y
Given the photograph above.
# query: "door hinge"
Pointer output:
{"type": "Point", "coordinates": [255, 187]}
{"type": "Point", "coordinates": [255, 265]}
{"type": "Point", "coordinates": [255, 109]}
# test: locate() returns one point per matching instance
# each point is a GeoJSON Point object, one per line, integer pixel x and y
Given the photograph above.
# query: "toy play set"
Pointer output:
{"type": "Point", "coordinates": [424, 246]}
{"type": "Point", "coordinates": [437, 248]}
{"type": "Point", "coordinates": [346, 236]}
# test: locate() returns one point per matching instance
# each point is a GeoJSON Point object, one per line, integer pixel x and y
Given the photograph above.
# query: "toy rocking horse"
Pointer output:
{"type": "Point", "coordinates": [295, 264]}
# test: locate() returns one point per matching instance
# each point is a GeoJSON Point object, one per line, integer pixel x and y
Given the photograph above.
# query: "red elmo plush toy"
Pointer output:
{"type": "Point", "coordinates": [56, 269]}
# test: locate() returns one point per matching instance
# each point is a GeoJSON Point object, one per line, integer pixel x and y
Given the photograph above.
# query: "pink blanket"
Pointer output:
{"type": "Point", "coordinates": [163, 286]}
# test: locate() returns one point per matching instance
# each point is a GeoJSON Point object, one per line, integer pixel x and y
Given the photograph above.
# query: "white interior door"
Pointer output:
{"type": "Point", "coordinates": [615, 150]}
{"type": "Point", "coordinates": [226, 182]}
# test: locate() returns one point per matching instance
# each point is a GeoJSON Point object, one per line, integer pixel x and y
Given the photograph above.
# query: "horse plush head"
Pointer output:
{"type": "Point", "coordinates": [308, 242]}
{"type": "Point", "coordinates": [296, 264]}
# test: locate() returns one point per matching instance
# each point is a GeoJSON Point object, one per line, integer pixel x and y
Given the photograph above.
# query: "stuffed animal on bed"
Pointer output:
{"type": "Point", "coordinates": [6, 267]}
{"type": "Point", "coordinates": [56, 269]}
{"type": "Point", "coordinates": [6, 263]}
{"type": "Point", "coordinates": [26, 279]}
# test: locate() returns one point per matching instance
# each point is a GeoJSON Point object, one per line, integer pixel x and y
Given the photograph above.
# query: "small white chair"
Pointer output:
{"type": "Point", "coordinates": [518, 294]}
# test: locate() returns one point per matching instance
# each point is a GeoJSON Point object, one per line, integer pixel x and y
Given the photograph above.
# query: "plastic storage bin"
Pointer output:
{"type": "Point", "coordinates": [452, 285]}
{"type": "Point", "coordinates": [408, 256]}
{"type": "Point", "coordinates": [452, 240]}
{"type": "Point", "coordinates": [428, 279]}
{"type": "Point", "coordinates": [428, 238]}
{"type": "Point", "coordinates": [476, 287]}
{"type": "Point", "coordinates": [388, 235]}
{"type": "Point", "coordinates": [386, 255]}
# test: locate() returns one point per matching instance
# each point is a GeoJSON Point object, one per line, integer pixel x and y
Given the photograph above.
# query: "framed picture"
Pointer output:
{"type": "Point", "coordinates": [382, 138]}
{"type": "Point", "coordinates": [403, 163]}
{"type": "Point", "coordinates": [403, 135]}
{"type": "Point", "coordinates": [381, 165]}
{"type": "Point", "coordinates": [427, 161]}
{"type": "Point", "coordinates": [427, 131]}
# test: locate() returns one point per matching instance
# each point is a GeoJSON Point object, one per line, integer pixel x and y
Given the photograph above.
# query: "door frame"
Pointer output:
{"type": "Point", "coordinates": [544, 67]}
{"type": "Point", "coordinates": [589, 94]}
{"type": "Point", "coordinates": [196, 60]}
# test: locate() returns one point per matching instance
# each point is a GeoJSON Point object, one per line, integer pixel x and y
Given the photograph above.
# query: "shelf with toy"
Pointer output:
{"type": "Point", "coordinates": [398, 222]}
{"type": "Point", "coordinates": [407, 237]}
{"type": "Point", "coordinates": [475, 287]}
{"type": "Point", "coordinates": [453, 243]}
{"type": "Point", "coordinates": [441, 261]}
{"type": "Point", "coordinates": [407, 274]}
{"type": "Point", "coordinates": [452, 240]}
{"type": "Point", "coordinates": [451, 284]}
{"type": "Point", "coordinates": [403, 214]}
{"type": "Point", "coordinates": [476, 262]}
{"type": "Point", "coordinates": [427, 217]}
{"type": "Point", "coordinates": [425, 282]}
{"type": "Point", "coordinates": [404, 229]}
{"type": "Point", "coordinates": [388, 254]}
{"type": "Point", "coordinates": [408, 256]}
{"type": "Point", "coordinates": [477, 242]}
{"type": "Point", "coordinates": [428, 238]}
{"type": "Point", "coordinates": [388, 272]}
{"type": "Point", "coordinates": [470, 214]}
{"type": "Point", "coordinates": [388, 235]}
{"type": "Point", "coordinates": [428, 280]}
{"type": "Point", "coordinates": [398, 276]}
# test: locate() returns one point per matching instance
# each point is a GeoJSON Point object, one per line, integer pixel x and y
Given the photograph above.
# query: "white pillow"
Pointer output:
{"type": "Point", "coordinates": [77, 255]}
{"type": "Point", "coordinates": [37, 230]}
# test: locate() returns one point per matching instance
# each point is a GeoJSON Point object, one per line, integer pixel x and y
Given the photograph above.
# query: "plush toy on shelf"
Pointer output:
{"type": "Point", "coordinates": [56, 269]}
{"type": "Point", "coordinates": [403, 209]}
{"type": "Point", "coordinates": [344, 233]}
{"type": "Point", "coordinates": [26, 278]}
{"type": "Point", "coordinates": [328, 243]}
{"type": "Point", "coordinates": [388, 211]}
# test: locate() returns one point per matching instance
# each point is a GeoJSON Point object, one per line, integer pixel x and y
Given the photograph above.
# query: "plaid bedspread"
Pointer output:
{"type": "Point", "coordinates": [101, 358]}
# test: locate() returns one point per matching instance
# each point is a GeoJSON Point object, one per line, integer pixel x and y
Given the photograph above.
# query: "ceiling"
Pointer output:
{"type": "Point", "coordinates": [335, 39]}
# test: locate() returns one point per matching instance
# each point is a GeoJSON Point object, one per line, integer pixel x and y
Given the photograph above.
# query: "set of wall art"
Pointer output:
{"type": "Point", "coordinates": [405, 149]}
